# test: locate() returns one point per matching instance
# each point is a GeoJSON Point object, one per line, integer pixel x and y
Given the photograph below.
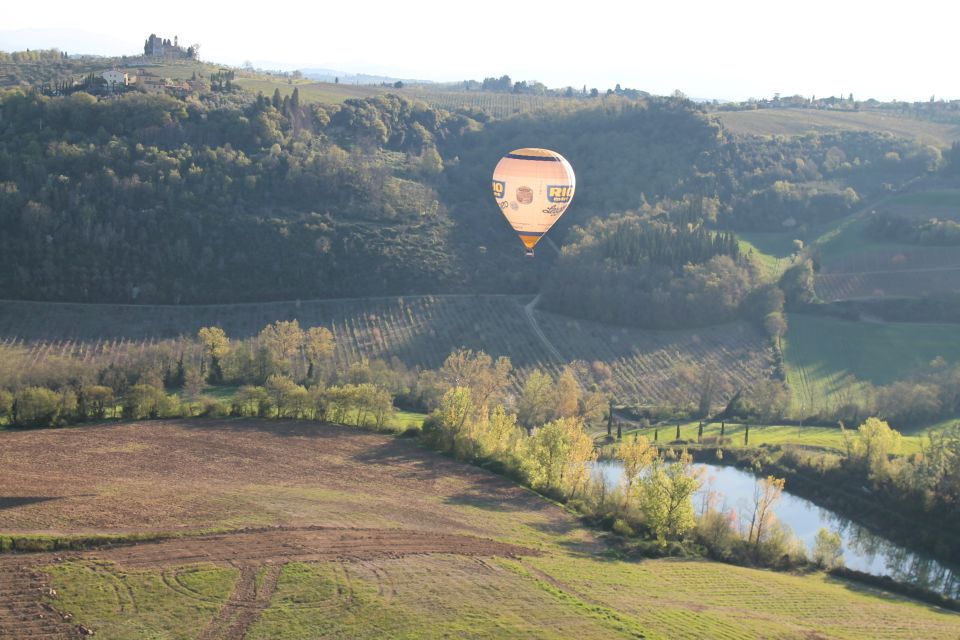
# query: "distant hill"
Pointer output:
{"type": "Point", "coordinates": [331, 75]}
{"type": "Point", "coordinates": [797, 122]}
{"type": "Point", "coordinates": [73, 41]}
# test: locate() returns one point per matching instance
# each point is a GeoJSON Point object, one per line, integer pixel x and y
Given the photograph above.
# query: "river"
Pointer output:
{"type": "Point", "coordinates": [862, 549]}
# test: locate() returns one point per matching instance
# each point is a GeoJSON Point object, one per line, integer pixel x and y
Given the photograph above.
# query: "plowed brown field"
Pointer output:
{"type": "Point", "coordinates": [294, 492]}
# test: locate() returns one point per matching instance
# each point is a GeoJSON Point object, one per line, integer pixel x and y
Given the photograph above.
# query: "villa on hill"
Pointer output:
{"type": "Point", "coordinates": [155, 47]}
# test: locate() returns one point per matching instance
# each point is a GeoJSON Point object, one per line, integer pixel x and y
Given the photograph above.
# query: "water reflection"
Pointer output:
{"type": "Point", "coordinates": [727, 488]}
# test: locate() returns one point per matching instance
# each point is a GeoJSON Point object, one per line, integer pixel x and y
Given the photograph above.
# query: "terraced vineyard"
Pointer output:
{"type": "Point", "coordinates": [499, 105]}
{"type": "Point", "coordinates": [419, 330]}
{"type": "Point", "coordinates": [901, 271]}
{"type": "Point", "coordinates": [643, 361]}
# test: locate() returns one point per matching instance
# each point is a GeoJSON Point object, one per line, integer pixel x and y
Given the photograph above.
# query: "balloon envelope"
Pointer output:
{"type": "Point", "coordinates": [533, 187]}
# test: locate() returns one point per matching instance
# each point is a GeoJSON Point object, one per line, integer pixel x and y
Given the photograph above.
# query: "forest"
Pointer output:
{"type": "Point", "coordinates": [233, 197]}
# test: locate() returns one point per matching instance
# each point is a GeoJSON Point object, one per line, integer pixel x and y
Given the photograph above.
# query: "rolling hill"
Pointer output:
{"type": "Point", "coordinates": [797, 122]}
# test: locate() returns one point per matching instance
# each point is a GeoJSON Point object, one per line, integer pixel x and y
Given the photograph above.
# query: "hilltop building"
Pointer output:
{"type": "Point", "coordinates": [155, 47]}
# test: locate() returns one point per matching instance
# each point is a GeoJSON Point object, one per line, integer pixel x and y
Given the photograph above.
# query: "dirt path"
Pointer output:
{"type": "Point", "coordinates": [528, 310]}
{"type": "Point", "coordinates": [304, 544]}
{"type": "Point", "coordinates": [246, 603]}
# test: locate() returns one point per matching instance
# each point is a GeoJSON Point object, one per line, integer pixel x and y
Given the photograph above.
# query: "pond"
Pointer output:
{"type": "Point", "coordinates": [862, 549]}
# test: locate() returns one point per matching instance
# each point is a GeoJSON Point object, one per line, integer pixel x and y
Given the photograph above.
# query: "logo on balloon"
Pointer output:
{"type": "Point", "coordinates": [559, 193]}
{"type": "Point", "coordinates": [554, 210]}
{"type": "Point", "coordinates": [499, 188]}
{"type": "Point", "coordinates": [524, 195]}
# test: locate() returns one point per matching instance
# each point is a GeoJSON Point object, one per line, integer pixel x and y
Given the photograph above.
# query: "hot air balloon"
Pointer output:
{"type": "Point", "coordinates": [533, 187]}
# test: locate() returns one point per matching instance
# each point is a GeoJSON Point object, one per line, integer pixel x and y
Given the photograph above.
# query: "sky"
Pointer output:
{"type": "Point", "coordinates": [732, 50]}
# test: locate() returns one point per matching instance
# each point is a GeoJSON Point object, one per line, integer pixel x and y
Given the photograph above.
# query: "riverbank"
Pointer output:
{"type": "Point", "coordinates": [844, 494]}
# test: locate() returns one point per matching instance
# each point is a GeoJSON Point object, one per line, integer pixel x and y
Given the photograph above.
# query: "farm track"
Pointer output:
{"type": "Point", "coordinates": [259, 556]}
{"type": "Point", "coordinates": [246, 604]}
{"type": "Point", "coordinates": [300, 544]}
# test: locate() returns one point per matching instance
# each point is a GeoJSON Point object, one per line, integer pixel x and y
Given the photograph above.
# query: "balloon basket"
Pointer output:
{"type": "Point", "coordinates": [528, 253]}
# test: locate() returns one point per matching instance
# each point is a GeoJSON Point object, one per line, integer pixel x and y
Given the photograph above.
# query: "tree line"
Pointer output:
{"type": "Point", "coordinates": [536, 432]}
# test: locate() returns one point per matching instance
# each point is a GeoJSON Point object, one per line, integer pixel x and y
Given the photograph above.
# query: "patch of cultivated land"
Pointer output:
{"type": "Point", "coordinates": [856, 266]}
{"type": "Point", "coordinates": [332, 532]}
{"type": "Point", "coordinates": [787, 122]}
{"type": "Point", "coordinates": [420, 331]}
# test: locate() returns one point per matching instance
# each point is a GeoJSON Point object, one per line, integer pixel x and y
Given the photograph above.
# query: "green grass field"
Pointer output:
{"type": "Point", "coordinates": [407, 419]}
{"type": "Point", "coordinates": [128, 604]}
{"type": "Point", "coordinates": [557, 595]}
{"type": "Point", "coordinates": [845, 237]}
{"type": "Point", "coordinates": [771, 252]}
{"type": "Point", "coordinates": [310, 91]}
{"type": "Point", "coordinates": [789, 435]}
{"type": "Point", "coordinates": [821, 352]}
{"type": "Point", "coordinates": [933, 198]}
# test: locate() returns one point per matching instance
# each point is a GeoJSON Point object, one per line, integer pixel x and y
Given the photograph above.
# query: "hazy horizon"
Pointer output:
{"type": "Point", "coordinates": [750, 50]}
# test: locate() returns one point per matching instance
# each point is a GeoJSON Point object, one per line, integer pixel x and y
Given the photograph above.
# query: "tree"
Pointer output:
{"type": "Point", "coordinates": [536, 400]}
{"type": "Point", "coordinates": [766, 494]}
{"type": "Point", "coordinates": [705, 384]}
{"type": "Point", "coordinates": [251, 400]}
{"type": "Point", "coordinates": [487, 380]}
{"type": "Point", "coordinates": [216, 345]}
{"type": "Point", "coordinates": [95, 400]}
{"type": "Point", "coordinates": [145, 401]}
{"type": "Point", "coordinates": [797, 283]}
{"type": "Point", "coordinates": [775, 324]}
{"type": "Point", "coordinates": [36, 407]}
{"type": "Point", "coordinates": [285, 394]}
{"type": "Point", "coordinates": [558, 456]}
{"type": "Point", "coordinates": [320, 348]}
{"type": "Point", "coordinates": [768, 399]}
{"type": "Point", "coordinates": [285, 339]}
{"type": "Point", "coordinates": [444, 423]}
{"type": "Point", "coordinates": [828, 549]}
{"type": "Point", "coordinates": [193, 384]}
{"type": "Point", "coordinates": [567, 403]}
{"type": "Point", "coordinates": [6, 403]}
{"type": "Point", "coordinates": [636, 454]}
{"type": "Point", "coordinates": [666, 497]}
{"type": "Point", "coordinates": [874, 444]}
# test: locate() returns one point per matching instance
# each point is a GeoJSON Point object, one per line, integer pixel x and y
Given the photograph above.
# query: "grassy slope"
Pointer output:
{"type": "Point", "coordinates": [557, 595]}
{"type": "Point", "coordinates": [574, 589]}
{"type": "Point", "coordinates": [310, 91]}
{"type": "Point", "coordinates": [819, 352]}
{"type": "Point", "coordinates": [807, 436]}
{"type": "Point", "coordinates": [934, 198]}
{"type": "Point", "coordinates": [771, 252]}
{"type": "Point", "coordinates": [788, 122]}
